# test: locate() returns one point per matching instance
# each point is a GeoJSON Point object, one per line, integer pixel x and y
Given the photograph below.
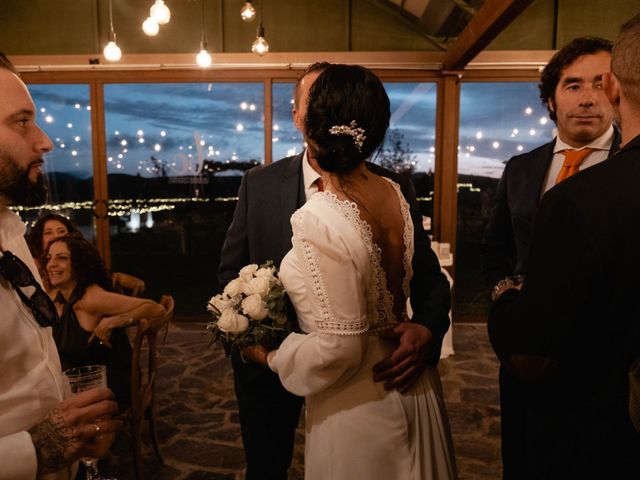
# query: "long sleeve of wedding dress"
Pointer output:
{"type": "Point", "coordinates": [326, 280]}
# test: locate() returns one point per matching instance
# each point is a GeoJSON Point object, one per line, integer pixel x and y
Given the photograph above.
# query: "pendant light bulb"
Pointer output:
{"type": "Point", "coordinates": [150, 27]}
{"type": "Point", "coordinates": [203, 59]}
{"type": "Point", "coordinates": [112, 51]}
{"type": "Point", "coordinates": [248, 12]}
{"type": "Point", "coordinates": [260, 45]}
{"type": "Point", "coordinates": [160, 12]}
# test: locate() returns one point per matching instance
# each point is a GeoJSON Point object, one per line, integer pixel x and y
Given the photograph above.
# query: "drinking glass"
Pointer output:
{"type": "Point", "coordinates": [82, 379]}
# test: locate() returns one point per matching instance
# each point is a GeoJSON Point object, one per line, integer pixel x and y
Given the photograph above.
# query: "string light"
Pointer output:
{"type": "Point", "coordinates": [160, 12]}
{"type": "Point", "coordinates": [248, 12]}
{"type": "Point", "coordinates": [150, 27]}
{"type": "Point", "coordinates": [112, 52]}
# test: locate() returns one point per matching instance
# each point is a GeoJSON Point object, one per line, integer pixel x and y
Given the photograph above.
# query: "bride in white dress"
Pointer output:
{"type": "Point", "coordinates": [348, 278]}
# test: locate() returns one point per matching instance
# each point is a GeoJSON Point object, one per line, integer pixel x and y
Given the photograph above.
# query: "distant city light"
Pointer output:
{"type": "Point", "coordinates": [472, 148]}
{"type": "Point", "coordinates": [495, 144]}
{"type": "Point", "coordinates": [543, 120]}
{"type": "Point", "coordinates": [516, 131]}
{"type": "Point", "coordinates": [88, 107]}
{"type": "Point", "coordinates": [123, 142]}
{"type": "Point", "coordinates": [141, 140]}
{"type": "Point", "coordinates": [62, 145]}
{"type": "Point", "coordinates": [252, 107]}
{"type": "Point", "coordinates": [76, 138]}
{"type": "Point", "coordinates": [163, 133]}
{"type": "Point", "coordinates": [74, 152]}
{"type": "Point", "coordinates": [157, 147]}
{"type": "Point", "coordinates": [140, 133]}
{"type": "Point", "coordinates": [77, 106]}
{"type": "Point", "coordinates": [43, 109]}
{"type": "Point", "coordinates": [532, 132]}
{"type": "Point", "coordinates": [202, 142]}
{"type": "Point", "coordinates": [69, 125]}
{"type": "Point", "coordinates": [244, 105]}
{"type": "Point", "coordinates": [48, 119]}
{"type": "Point", "coordinates": [275, 139]}
{"type": "Point", "coordinates": [116, 133]}
{"type": "Point", "coordinates": [520, 148]}
{"type": "Point", "coordinates": [276, 127]}
{"type": "Point", "coordinates": [239, 127]}
{"type": "Point", "coordinates": [528, 111]}
{"type": "Point", "coordinates": [479, 135]}
{"type": "Point", "coordinates": [110, 159]}
{"type": "Point", "coordinates": [120, 155]}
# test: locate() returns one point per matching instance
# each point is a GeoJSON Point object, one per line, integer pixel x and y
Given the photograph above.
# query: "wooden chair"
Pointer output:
{"type": "Point", "coordinates": [143, 381]}
{"type": "Point", "coordinates": [127, 284]}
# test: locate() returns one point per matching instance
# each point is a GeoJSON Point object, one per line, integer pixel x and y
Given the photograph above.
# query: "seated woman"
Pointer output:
{"type": "Point", "coordinates": [46, 229]}
{"type": "Point", "coordinates": [91, 317]}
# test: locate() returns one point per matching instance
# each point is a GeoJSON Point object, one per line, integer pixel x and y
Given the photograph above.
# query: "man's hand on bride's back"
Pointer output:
{"type": "Point", "coordinates": [403, 367]}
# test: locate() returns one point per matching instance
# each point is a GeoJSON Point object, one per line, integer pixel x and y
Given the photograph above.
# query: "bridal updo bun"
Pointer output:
{"type": "Point", "coordinates": [347, 117]}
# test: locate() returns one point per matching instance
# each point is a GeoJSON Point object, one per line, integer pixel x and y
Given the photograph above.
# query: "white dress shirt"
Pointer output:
{"type": "Point", "coordinates": [30, 375]}
{"type": "Point", "coordinates": [309, 177]}
{"type": "Point", "coordinates": [601, 146]}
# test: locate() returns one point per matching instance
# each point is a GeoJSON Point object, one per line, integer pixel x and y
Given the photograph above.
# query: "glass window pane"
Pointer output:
{"type": "Point", "coordinates": [175, 156]}
{"type": "Point", "coordinates": [64, 114]}
{"type": "Point", "coordinates": [410, 144]}
{"type": "Point", "coordinates": [497, 121]}
{"type": "Point", "coordinates": [286, 139]}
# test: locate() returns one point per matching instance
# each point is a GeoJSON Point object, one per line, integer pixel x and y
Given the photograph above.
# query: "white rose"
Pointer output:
{"type": "Point", "coordinates": [266, 272]}
{"type": "Point", "coordinates": [220, 303]}
{"type": "Point", "coordinates": [255, 307]}
{"type": "Point", "coordinates": [232, 322]}
{"type": "Point", "coordinates": [246, 273]}
{"type": "Point", "coordinates": [234, 287]}
{"type": "Point", "coordinates": [258, 285]}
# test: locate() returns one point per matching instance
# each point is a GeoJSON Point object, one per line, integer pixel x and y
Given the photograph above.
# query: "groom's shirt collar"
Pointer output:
{"type": "Point", "coordinates": [309, 176]}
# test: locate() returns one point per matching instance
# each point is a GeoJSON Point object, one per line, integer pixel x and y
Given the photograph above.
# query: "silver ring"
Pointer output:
{"type": "Point", "coordinates": [95, 424]}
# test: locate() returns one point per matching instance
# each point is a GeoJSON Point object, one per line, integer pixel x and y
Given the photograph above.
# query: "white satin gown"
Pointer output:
{"type": "Point", "coordinates": [355, 429]}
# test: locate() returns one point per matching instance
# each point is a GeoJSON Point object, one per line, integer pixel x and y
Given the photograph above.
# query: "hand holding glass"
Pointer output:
{"type": "Point", "coordinates": [82, 379]}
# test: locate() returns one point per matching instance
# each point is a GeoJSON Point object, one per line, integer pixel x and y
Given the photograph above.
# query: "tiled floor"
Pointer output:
{"type": "Point", "coordinates": [198, 419]}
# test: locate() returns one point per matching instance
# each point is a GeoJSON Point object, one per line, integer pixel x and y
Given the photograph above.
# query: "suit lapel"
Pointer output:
{"type": "Point", "coordinates": [290, 193]}
{"type": "Point", "coordinates": [540, 168]}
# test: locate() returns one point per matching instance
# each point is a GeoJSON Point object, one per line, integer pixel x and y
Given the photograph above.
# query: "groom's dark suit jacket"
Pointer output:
{"type": "Point", "coordinates": [574, 329]}
{"type": "Point", "coordinates": [505, 246]}
{"type": "Point", "coordinates": [261, 231]}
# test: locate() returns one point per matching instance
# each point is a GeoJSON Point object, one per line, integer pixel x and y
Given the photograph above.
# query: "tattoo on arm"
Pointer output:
{"type": "Point", "coordinates": [54, 441]}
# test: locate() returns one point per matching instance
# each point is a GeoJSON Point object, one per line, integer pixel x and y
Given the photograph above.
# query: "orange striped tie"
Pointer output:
{"type": "Point", "coordinates": [572, 161]}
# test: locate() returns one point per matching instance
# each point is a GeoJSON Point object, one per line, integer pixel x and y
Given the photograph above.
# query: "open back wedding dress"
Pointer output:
{"type": "Point", "coordinates": [334, 276]}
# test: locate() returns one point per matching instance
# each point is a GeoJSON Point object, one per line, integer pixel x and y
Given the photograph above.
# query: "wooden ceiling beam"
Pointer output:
{"type": "Point", "coordinates": [491, 19]}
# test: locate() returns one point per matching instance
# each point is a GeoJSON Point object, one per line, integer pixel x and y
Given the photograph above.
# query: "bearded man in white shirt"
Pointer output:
{"type": "Point", "coordinates": [41, 434]}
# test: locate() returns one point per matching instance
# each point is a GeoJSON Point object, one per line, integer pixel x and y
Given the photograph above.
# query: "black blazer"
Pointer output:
{"type": "Point", "coordinates": [505, 246]}
{"type": "Point", "coordinates": [575, 327]}
{"type": "Point", "coordinates": [261, 230]}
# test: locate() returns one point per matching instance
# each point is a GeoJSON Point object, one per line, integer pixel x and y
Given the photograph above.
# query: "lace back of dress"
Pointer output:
{"type": "Point", "coordinates": [388, 234]}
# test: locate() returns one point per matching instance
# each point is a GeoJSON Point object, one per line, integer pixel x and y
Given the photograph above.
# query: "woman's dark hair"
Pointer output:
{"type": "Point", "coordinates": [562, 59]}
{"type": "Point", "coordinates": [87, 266]}
{"type": "Point", "coordinates": [343, 94]}
{"type": "Point", "coordinates": [34, 238]}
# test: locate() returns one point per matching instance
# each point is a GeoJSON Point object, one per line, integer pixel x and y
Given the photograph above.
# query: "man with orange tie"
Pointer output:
{"type": "Point", "coordinates": [571, 89]}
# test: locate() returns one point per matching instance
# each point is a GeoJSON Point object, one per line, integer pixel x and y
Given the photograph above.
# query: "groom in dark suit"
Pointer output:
{"type": "Point", "coordinates": [571, 88]}
{"type": "Point", "coordinates": [574, 329]}
{"type": "Point", "coordinates": [261, 231]}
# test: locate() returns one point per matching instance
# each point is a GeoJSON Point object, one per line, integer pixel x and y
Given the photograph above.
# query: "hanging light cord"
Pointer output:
{"type": "Point", "coordinates": [203, 40]}
{"type": "Point", "coordinates": [111, 17]}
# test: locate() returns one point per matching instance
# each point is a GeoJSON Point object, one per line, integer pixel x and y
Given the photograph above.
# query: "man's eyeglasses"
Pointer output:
{"type": "Point", "coordinates": [20, 276]}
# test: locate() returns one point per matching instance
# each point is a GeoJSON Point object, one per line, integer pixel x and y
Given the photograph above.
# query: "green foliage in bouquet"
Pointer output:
{"type": "Point", "coordinates": [252, 309]}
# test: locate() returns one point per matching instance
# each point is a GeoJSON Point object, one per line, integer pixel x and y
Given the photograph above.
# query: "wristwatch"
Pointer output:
{"type": "Point", "coordinates": [505, 284]}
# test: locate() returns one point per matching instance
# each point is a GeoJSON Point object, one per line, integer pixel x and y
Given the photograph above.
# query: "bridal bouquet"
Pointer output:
{"type": "Point", "coordinates": [251, 310]}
